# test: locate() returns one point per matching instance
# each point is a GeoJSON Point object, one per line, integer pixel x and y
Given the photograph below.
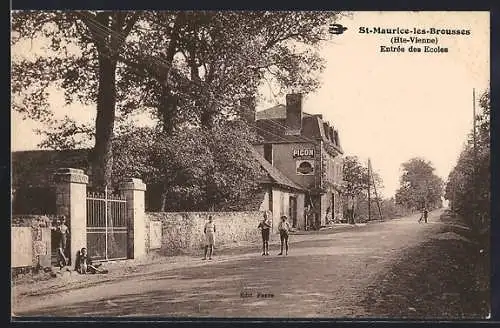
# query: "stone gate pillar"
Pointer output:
{"type": "Point", "coordinates": [71, 201]}
{"type": "Point", "coordinates": [134, 192]}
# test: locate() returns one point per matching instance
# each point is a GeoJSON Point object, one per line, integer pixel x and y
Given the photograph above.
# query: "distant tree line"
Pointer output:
{"type": "Point", "coordinates": [419, 187]}
{"type": "Point", "coordinates": [356, 180]}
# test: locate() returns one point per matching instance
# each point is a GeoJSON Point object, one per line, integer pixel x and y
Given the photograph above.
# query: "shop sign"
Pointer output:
{"type": "Point", "coordinates": [304, 153]}
{"type": "Point", "coordinates": [305, 167]}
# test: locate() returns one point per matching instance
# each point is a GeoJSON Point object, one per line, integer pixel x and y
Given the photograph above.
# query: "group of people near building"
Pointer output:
{"type": "Point", "coordinates": [265, 226]}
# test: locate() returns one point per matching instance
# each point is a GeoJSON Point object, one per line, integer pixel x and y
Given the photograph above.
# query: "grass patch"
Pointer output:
{"type": "Point", "coordinates": [444, 278]}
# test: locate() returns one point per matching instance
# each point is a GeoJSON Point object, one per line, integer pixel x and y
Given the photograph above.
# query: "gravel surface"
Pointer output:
{"type": "Point", "coordinates": [356, 272]}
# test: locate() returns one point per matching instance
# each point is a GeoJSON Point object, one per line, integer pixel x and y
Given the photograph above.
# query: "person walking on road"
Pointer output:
{"type": "Point", "coordinates": [284, 229]}
{"type": "Point", "coordinates": [209, 232]}
{"type": "Point", "coordinates": [424, 215]}
{"type": "Point", "coordinates": [265, 227]}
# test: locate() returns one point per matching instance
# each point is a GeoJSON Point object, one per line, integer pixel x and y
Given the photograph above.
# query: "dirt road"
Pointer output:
{"type": "Point", "coordinates": [324, 275]}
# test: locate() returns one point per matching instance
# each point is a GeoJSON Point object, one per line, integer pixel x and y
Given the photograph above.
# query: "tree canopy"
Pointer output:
{"type": "Point", "coordinates": [82, 59]}
{"type": "Point", "coordinates": [419, 185]}
{"type": "Point", "coordinates": [192, 68]}
{"type": "Point", "coordinates": [468, 185]}
{"type": "Point", "coordinates": [194, 168]}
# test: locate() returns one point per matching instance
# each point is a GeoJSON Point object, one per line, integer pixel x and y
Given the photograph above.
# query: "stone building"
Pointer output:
{"type": "Point", "coordinates": [306, 149]}
{"type": "Point", "coordinates": [281, 195]}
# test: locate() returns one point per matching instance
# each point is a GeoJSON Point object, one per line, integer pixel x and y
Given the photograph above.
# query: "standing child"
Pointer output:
{"type": "Point", "coordinates": [62, 235]}
{"type": "Point", "coordinates": [209, 231]}
{"type": "Point", "coordinates": [284, 229]}
{"type": "Point", "coordinates": [265, 226]}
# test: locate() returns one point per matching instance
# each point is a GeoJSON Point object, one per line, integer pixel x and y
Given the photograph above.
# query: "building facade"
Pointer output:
{"type": "Point", "coordinates": [281, 196]}
{"type": "Point", "coordinates": [307, 151]}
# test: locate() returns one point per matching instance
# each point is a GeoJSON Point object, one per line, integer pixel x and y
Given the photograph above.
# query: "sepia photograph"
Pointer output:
{"type": "Point", "coordinates": [250, 164]}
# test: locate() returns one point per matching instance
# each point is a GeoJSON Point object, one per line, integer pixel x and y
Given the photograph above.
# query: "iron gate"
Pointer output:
{"type": "Point", "coordinates": [107, 232]}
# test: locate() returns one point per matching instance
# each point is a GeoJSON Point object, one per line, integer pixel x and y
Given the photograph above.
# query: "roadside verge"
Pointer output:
{"type": "Point", "coordinates": [447, 277]}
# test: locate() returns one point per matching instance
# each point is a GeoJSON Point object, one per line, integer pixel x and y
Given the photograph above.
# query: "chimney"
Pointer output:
{"type": "Point", "coordinates": [326, 129]}
{"type": "Point", "coordinates": [336, 134]}
{"type": "Point", "coordinates": [332, 135]}
{"type": "Point", "coordinates": [294, 112]}
{"type": "Point", "coordinates": [247, 109]}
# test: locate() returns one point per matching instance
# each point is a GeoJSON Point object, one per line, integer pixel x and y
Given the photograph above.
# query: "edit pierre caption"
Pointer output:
{"type": "Point", "coordinates": [249, 293]}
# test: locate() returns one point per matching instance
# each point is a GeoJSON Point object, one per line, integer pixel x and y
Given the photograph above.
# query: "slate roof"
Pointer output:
{"type": "Point", "coordinates": [278, 111]}
{"type": "Point", "coordinates": [274, 175]}
{"type": "Point", "coordinates": [271, 126]}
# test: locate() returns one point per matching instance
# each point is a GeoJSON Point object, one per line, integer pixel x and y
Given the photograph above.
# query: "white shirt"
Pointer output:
{"type": "Point", "coordinates": [284, 226]}
{"type": "Point", "coordinates": [209, 227]}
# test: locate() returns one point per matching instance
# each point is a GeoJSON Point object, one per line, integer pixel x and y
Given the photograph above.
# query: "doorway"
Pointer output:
{"type": "Point", "coordinates": [293, 210]}
{"type": "Point", "coordinates": [333, 207]}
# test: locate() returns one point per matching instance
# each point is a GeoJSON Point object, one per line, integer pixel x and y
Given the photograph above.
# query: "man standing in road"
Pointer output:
{"type": "Point", "coordinates": [209, 231]}
{"type": "Point", "coordinates": [424, 215]}
{"type": "Point", "coordinates": [265, 226]}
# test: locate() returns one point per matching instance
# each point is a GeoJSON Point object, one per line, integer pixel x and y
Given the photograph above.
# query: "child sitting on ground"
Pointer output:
{"type": "Point", "coordinates": [84, 265]}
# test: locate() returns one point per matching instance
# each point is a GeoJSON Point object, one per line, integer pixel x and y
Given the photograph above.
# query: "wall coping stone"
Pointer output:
{"type": "Point", "coordinates": [70, 175]}
{"type": "Point", "coordinates": [133, 184]}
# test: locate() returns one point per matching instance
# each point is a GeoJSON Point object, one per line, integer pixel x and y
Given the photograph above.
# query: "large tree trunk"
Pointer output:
{"type": "Point", "coordinates": [168, 105]}
{"type": "Point", "coordinates": [351, 218]}
{"type": "Point", "coordinates": [207, 117]}
{"type": "Point", "coordinates": [108, 30]}
{"type": "Point", "coordinates": [168, 110]}
{"type": "Point", "coordinates": [102, 159]}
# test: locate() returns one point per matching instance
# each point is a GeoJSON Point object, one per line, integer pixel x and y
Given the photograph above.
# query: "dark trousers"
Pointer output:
{"type": "Point", "coordinates": [284, 240]}
{"type": "Point", "coordinates": [265, 240]}
{"type": "Point", "coordinates": [423, 218]}
{"type": "Point", "coordinates": [265, 234]}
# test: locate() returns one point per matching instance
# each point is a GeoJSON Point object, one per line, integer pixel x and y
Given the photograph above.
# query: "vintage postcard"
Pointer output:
{"type": "Point", "coordinates": [250, 164]}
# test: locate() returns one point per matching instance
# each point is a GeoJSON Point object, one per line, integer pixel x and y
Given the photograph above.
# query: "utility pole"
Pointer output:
{"type": "Point", "coordinates": [474, 151]}
{"type": "Point", "coordinates": [370, 170]}
{"type": "Point", "coordinates": [369, 200]}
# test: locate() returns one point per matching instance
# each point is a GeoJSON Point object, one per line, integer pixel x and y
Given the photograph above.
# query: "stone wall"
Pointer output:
{"type": "Point", "coordinates": [23, 250]}
{"type": "Point", "coordinates": [183, 232]}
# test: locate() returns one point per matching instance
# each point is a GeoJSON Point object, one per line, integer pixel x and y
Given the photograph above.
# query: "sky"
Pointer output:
{"type": "Point", "coordinates": [387, 106]}
{"type": "Point", "coordinates": [390, 107]}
